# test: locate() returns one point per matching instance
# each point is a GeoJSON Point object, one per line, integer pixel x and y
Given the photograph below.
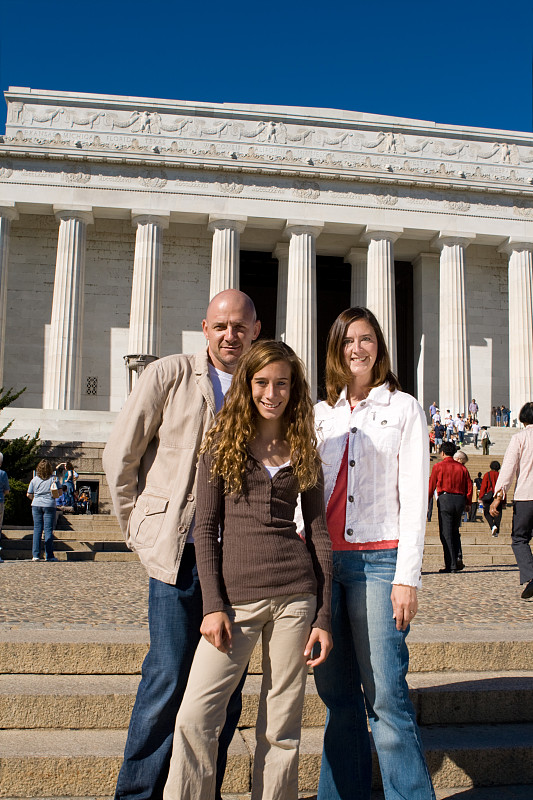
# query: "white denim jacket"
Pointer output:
{"type": "Point", "coordinates": [388, 471]}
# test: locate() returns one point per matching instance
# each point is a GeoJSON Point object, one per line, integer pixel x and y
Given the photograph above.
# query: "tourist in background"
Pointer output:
{"type": "Point", "coordinates": [4, 489]}
{"type": "Point", "coordinates": [373, 442]}
{"type": "Point", "coordinates": [518, 460]}
{"type": "Point", "coordinates": [473, 408]}
{"type": "Point", "coordinates": [70, 476]}
{"type": "Point", "coordinates": [485, 441]}
{"type": "Point", "coordinates": [486, 494]}
{"type": "Point", "coordinates": [43, 509]}
{"type": "Point", "coordinates": [451, 481]}
{"type": "Point", "coordinates": [475, 432]}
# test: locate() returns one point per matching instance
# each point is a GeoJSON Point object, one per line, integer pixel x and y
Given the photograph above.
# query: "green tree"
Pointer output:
{"type": "Point", "coordinates": [21, 456]}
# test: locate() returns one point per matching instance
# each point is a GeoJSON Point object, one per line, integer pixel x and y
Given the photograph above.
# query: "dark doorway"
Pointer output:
{"type": "Point", "coordinates": [403, 273]}
{"type": "Point", "coordinates": [259, 279]}
{"type": "Point", "coordinates": [333, 282]}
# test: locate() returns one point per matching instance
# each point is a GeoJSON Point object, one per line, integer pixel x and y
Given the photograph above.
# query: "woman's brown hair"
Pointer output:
{"type": "Point", "coordinates": [236, 423]}
{"type": "Point", "coordinates": [44, 469]}
{"type": "Point", "coordinates": [337, 372]}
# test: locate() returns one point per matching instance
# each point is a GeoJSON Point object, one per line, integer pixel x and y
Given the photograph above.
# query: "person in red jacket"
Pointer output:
{"type": "Point", "coordinates": [454, 490]}
{"type": "Point", "coordinates": [486, 495]}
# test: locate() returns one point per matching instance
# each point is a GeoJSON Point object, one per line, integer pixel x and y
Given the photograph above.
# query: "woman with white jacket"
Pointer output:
{"type": "Point", "coordinates": [373, 442]}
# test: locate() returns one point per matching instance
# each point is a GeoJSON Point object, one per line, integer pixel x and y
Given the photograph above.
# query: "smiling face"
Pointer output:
{"type": "Point", "coordinates": [271, 389]}
{"type": "Point", "coordinates": [230, 328]}
{"type": "Point", "coordinates": [360, 347]}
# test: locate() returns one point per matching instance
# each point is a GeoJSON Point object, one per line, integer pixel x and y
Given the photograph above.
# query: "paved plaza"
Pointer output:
{"type": "Point", "coordinates": [114, 596]}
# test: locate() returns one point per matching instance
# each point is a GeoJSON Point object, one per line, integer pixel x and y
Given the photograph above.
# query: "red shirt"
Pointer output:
{"type": "Point", "coordinates": [488, 483]}
{"type": "Point", "coordinates": [336, 516]}
{"type": "Point", "coordinates": [452, 477]}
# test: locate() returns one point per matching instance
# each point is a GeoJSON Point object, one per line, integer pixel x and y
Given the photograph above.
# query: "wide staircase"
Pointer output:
{"type": "Point", "coordinates": [66, 695]}
{"type": "Point", "coordinates": [66, 698]}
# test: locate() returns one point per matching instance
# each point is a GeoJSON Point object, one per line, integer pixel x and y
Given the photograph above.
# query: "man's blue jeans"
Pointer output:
{"type": "Point", "coordinates": [368, 650]}
{"type": "Point", "coordinates": [43, 519]}
{"type": "Point", "coordinates": [174, 618]}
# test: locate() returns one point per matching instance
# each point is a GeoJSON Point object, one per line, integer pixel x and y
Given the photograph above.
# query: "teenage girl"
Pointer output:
{"type": "Point", "coordinates": [259, 578]}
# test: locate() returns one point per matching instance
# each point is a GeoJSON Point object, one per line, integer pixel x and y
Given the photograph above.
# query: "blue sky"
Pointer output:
{"type": "Point", "coordinates": [466, 63]}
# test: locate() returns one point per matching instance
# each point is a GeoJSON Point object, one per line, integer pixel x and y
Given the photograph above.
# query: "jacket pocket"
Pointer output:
{"type": "Point", "coordinates": [146, 519]}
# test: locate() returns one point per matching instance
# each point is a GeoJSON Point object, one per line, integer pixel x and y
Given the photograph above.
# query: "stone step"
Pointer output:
{"type": "Point", "coordinates": [106, 701]}
{"type": "Point", "coordinates": [99, 652]}
{"type": "Point", "coordinates": [82, 763]}
{"type": "Point", "coordinates": [515, 792]}
{"type": "Point", "coordinates": [61, 544]}
{"type": "Point", "coordinates": [82, 554]}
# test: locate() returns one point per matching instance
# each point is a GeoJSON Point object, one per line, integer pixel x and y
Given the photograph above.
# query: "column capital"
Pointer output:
{"type": "Point", "coordinates": [140, 216]}
{"type": "Point", "coordinates": [357, 254]}
{"type": "Point", "coordinates": [83, 213]}
{"type": "Point", "coordinates": [232, 221]}
{"type": "Point", "coordinates": [296, 226]}
{"type": "Point", "coordinates": [281, 250]}
{"type": "Point", "coordinates": [451, 238]}
{"type": "Point", "coordinates": [514, 243]}
{"type": "Point", "coordinates": [376, 232]}
{"type": "Point", "coordinates": [8, 210]}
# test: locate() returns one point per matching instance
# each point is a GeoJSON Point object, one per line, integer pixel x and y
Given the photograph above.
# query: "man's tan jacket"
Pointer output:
{"type": "Point", "coordinates": [151, 456]}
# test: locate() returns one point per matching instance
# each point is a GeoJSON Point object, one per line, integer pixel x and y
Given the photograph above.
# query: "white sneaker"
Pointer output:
{"type": "Point", "coordinates": [35, 559]}
{"type": "Point", "coordinates": [495, 531]}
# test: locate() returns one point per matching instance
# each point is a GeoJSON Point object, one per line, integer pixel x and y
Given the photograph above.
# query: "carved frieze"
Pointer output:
{"type": "Point", "coordinates": [273, 141]}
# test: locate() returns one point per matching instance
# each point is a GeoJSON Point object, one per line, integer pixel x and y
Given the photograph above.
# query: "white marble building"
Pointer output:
{"type": "Point", "coordinates": [121, 216]}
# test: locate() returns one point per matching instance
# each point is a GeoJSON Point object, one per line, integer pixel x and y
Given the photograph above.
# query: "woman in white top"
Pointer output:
{"type": "Point", "coordinates": [373, 442]}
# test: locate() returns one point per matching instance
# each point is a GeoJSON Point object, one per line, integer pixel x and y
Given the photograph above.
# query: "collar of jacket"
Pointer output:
{"type": "Point", "coordinates": [380, 395]}
{"type": "Point", "coordinates": [202, 379]}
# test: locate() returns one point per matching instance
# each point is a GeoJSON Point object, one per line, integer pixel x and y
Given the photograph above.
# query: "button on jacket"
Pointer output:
{"type": "Point", "coordinates": [388, 472]}
{"type": "Point", "coordinates": [150, 459]}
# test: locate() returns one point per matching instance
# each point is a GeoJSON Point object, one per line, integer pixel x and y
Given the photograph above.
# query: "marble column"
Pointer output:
{"type": "Point", "coordinates": [520, 323]}
{"type": "Point", "coordinates": [225, 253]}
{"type": "Point", "coordinates": [357, 257]}
{"type": "Point", "coordinates": [145, 312]}
{"type": "Point", "coordinates": [454, 390]}
{"type": "Point", "coordinates": [426, 327]}
{"type": "Point", "coordinates": [380, 287]}
{"type": "Point", "coordinates": [7, 214]}
{"type": "Point", "coordinates": [62, 378]}
{"type": "Point", "coordinates": [300, 328]}
{"type": "Point", "coordinates": [281, 252]}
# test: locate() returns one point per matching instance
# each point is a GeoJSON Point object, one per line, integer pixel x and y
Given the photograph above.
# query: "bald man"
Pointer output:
{"type": "Point", "coordinates": [150, 462]}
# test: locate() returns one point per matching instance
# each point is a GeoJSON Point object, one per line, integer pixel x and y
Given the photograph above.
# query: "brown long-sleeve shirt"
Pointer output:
{"type": "Point", "coordinates": [260, 554]}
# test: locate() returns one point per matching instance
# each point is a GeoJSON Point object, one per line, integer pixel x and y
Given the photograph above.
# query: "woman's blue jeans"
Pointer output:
{"type": "Point", "coordinates": [43, 519]}
{"type": "Point", "coordinates": [367, 668]}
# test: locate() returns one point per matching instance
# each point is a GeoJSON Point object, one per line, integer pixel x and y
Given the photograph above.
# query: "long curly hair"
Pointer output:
{"type": "Point", "coordinates": [337, 373]}
{"type": "Point", "coordinates": [236, 423]}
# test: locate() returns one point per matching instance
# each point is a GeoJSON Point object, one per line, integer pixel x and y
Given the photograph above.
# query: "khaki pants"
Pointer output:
{"type": "Point", "coordinates": [284, 624]}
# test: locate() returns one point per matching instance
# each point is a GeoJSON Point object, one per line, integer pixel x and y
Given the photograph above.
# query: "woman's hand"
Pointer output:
{"type": "Point", "coordinates": [404, 604]}
{"type": "Point", "coordinates": [216, 628]}
{"type": "Point", "coordinates": [323, 638]}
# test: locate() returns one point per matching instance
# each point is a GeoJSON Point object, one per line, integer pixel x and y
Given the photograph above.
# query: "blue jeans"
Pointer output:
{"type": "Point", "coordinates": [43, 519]}
{"type": "Point", "coordinates": [368, 651]}
{"type": "Point", "coordinates": [174, 618]}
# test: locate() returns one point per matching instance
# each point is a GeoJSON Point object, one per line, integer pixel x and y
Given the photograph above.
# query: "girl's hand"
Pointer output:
{"type": "Point", "coordinates": [323, 638]}
{"type": "Point", "coordinates": [404, 605]}
{"type": "Point", "coordinates": [216, 628]}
